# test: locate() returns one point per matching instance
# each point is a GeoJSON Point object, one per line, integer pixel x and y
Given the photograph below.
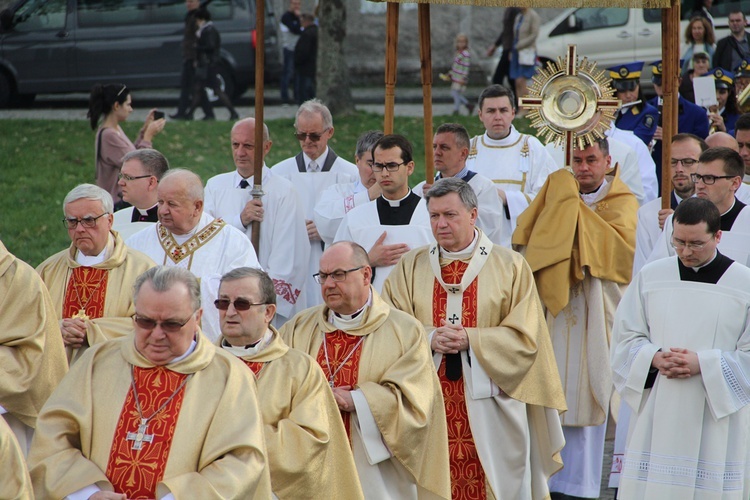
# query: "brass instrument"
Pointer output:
{"type": "Point", "coordinates": [743, 100]}
{"type": "Point", "coordinates": [712, 129]}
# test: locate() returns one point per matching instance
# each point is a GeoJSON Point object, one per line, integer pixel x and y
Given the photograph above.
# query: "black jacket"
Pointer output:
{"type": "Point", "coordinates": [306, 51]}
{"type": "Point", "coordinates": [724, 49]}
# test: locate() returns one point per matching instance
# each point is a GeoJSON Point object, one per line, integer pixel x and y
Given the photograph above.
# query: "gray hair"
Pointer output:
{"type": "Point", "coordinates": [367, 141]}
{"type": "Point", "coordinates": [163, 278]}
{"type": "Point", "coordinates": [153, 161]}
{"type": "Point", "coordinates": [90, 192]}
{"type": "Point", "coordinates": [315, 107]}
{"type": "Point", "coordinates": [449, 185]}
{"type": "Point", "coordinates": [265, 283]}
{"type": "Point", "coordinates": [460, 134]}
{"type": "Point", "coordinates": [191, 181]}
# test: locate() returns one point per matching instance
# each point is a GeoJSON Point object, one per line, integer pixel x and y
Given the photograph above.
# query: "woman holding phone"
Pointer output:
{"type": "Point", "coordinates": [111, 105]}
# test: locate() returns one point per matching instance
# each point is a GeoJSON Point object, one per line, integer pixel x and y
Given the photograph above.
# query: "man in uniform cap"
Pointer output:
{"type": "Point", "coordinates": [635, 114]}
{"type": "Point", "coordinates": [724, 119]}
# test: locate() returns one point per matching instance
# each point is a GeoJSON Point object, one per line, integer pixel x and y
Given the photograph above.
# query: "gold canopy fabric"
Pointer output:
{"type": "Point", "coordinates": [639, 4]}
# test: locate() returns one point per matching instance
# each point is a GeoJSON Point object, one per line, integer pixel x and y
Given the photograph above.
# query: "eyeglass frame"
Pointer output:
{"type": "Point", "coordinates": [391, 167]}
{"type": "Point", "coordinates": [87, 222]}
{"type": "Point", "coordinates": [698, 177]}
{"type": "Point", "coordinates": [313, 136]}
{"type": "Point", "coordinates": [679, 244]}
{"type": "Point", "coordinates": [234, 303]}
{"type": "Point", "coordinates": [128, 178]}
{"type": "Point", "coordinates": [321, 278]}
{"type": "Point", "coordinates": [674, 161]}
{"type": "Point", "coordinates": [168, 326]}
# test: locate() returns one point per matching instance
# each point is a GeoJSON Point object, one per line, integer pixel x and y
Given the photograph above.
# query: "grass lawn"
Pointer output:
{"type": "Point", "coordinates": [41, 160]}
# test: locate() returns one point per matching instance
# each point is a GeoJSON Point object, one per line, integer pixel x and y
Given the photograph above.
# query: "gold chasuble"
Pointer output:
{"type": "Point", "coordinates": [504, 429]}
{"type": "Point", "coordinates": [341, 366]}
{"type": "Point", "coordinates": [101, 295]}
{"type": "Point", "coordinates": [308, 451]}
{"type": "Point", "coordinates": [32, 356]}
{"type": "Point", "coordinates": [91, 431]}
{"type": "Point", "coordinates": [397, 378]}
{"type": "Point", "coordinates": [15, 483]}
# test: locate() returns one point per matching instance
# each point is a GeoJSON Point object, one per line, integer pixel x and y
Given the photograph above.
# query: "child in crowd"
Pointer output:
{"type": "Point", "coordinates": [459, 74]}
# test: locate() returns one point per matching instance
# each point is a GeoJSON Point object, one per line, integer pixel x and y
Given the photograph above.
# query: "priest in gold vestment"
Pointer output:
{"type": "Point", "coordinates": [15, 483]}
{"type": "Point", "coordinates": [91, 282]}
{"type": "Point", "coordinates": [32, 356]}
{"type": "Point", "coordinates": [578, 236]}
{"type": "Point", "coordinates": [308, 451]}
{"type": "Point", "coordinates": [155, 414]}
{"type": "Point", "coordinates": [378, 366]}
{"type": "Point", "coordinates": [484, 322]}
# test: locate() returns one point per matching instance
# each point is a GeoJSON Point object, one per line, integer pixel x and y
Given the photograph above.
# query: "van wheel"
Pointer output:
{"type": "Point", "coordinates": [226, 80]}
{"type": "Point", "coordinates": [5, 90]}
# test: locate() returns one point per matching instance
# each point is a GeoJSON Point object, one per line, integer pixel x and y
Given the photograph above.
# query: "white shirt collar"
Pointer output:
{"type": "Point", "coordinates": [349, 321]}
{"type": "Point", "coordinates": [511, 138]}
{"type": "Point", "coordinates": [92, 260]}
{"type": "Point", "coordinates": [461, 254]}
{"type": "Point", "coordinates": [249, 351]}
{"type": "Point", "coordinates": [189, 351]}
{"type": "Point", "coordinates": [590, 198]}
{"type": "Point", "coordinates": [320, 160]}
{"type": "Point", "coordinates": [396, 203]}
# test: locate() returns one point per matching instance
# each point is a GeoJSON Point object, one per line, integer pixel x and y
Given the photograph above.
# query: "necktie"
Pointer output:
{"type": "Point", "coordinates": [244, 184]}
{"type": "Point", "coordinates": [313, 167]}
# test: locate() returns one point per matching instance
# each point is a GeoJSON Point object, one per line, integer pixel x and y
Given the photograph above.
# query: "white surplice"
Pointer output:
{"type": "Point", "coordinates": [333, 205]}
{"type": "Point", "coordinates": [645, 162]}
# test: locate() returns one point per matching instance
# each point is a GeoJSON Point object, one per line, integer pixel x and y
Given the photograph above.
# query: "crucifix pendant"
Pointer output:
{"type": "Point", "coordinates": [140, 436]}
{"type": "Point", "coordinates": [81, 314]}
{"type": "Point", "coordinates": [331, 383]}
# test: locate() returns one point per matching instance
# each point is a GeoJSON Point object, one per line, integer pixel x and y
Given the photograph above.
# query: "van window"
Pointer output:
{"type": "Point", "coordinates": [95, 13]}
{"type": "Point", "coordinates": [173, 11]}
{"type": "Point", "coordinates": [596, 17]}
{"type": "Point", "coordinates": [36, 15]}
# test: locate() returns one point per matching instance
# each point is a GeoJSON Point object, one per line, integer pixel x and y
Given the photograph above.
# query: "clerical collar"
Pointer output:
{"type": "Point", "coordinates": [590, 198]}
{"type": "Point", "coordinates": [508, 140]}
{"type": "Point", "coordinates": [92, 260]}
{"type": "Point", "coordinates": [395, 203]}
{"type": "Point", "coordinates": [728, 217]}
{"type": "Point", "coordinates": [190, 350]}
{"type": "Point", "coordinates": [349, 321]}
{"type": "Point", "coordinates": [461, 254]}
{"type": "Point", "coordinates": [249, 350]}
{"type": "Point", "coordinates": [460, 175]}
{"type": "Point", "coordinates": [320, 160]}
{"type": "Point", "coordinates": [707, 273]}
{"type": "Point", "coordinates": [145, 212]}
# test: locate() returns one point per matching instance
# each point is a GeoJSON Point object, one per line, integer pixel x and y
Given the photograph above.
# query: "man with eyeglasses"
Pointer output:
{"type": "Point", "coordinates": [308, 450]}
{"type": "Point", "coordinates": [161, 413]}
{"type": "Point", "coordinates": [578, 236]}
{"type": "Point", "coordinates": [717, 178]}
{"type": "Point", "coordinates": [483, 320]}
{"type": "Point", "coordinates": [680, 361]}
{"type": "Point", "coordinates": [90, 281]}
{"type": "Point", "coordinates": [186, 236]}
{"type": "Point", "coordinates": [311, 172]}
{"type": "Point", "coordinates": [517, 163]}
{"type": "Point", "coordinates": [139, 177]}
{"type": "Point", "coordinates": [379, 368]}
{"type": "Point", "coordinates": [396, 221]}
{"type": "Point", "coordinates": [284, 248]}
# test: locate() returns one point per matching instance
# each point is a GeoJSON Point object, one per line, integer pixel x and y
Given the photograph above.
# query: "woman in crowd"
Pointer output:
{"type": "Point", "coordinates": [699, 37]}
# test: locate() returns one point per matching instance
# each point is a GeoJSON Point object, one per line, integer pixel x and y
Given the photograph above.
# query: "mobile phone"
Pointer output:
{"type": "Point", "coordinates": [158, 115]}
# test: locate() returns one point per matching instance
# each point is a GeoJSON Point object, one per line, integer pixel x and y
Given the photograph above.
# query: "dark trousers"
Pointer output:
{"type": "Point", "coordinates": [287, 75]}
{"type": "Point", "coordinates": [187, 86]}
{"type": "Point", "coordinates": [503, 71]}
{"type": "Point", "coordinates": [304, 88]}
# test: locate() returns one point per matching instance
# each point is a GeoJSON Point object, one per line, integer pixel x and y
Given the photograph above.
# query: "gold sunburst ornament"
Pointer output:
{"type": "Point", "coordinates": [571, 103]}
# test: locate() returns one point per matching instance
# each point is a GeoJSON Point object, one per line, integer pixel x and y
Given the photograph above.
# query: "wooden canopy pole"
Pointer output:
{"type": "Point", "coordinates": [425, 55]}
{"type": "Point", "coordinates": [391, 56]}
{"type": "Point", "coordinates": [670, 50]}
{"type": "Point", "coordinates": [260, 59]}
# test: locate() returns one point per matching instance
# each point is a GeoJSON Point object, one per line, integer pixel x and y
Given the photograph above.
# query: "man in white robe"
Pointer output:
{"type": "Point", "coordinates": [517, 163]}
{"type": "Point", "coordinates": [284, 247]}
{"type": "Point", "coordinates": [645, 162]}
{"type": "Point", "coordinates": [397, 221]}
{"type": "Point", "coordinates": [450, 147]}
{"type": "Point", "coordinates": [139, 177]}
{"type": "Point", "coordinates": [314, 169]}
{"type": "Point", "coordinates": [187, 237]}
{"type": "Point", "coordinates": [338, 199]}
{"type": "Point", "coordinates": [481, 313]}
{"type": "Point", "coordinates": [718, 176]}
{"type": "Point", "coordinates": [680, 356]}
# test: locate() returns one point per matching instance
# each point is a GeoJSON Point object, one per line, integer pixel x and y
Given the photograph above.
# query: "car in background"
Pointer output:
{"type": "Point", "coordinates": [55, 46]}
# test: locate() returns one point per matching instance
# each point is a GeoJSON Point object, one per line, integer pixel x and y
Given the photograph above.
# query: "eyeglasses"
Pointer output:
{"type": "Point", "coordinates": [239, 304]}
{"type": "Point", "coordinates": [128, 178]}
{"type": "Point", "coordinates": [709, 179]}
{"type": "Point", "coordinates": [692, 245]}
{"type": "Point", "coordinates": [686, 162]}
{"type": "Point", "coordinates": [72, 223]}
{"type": "Point", "coordinates": [169, 326]}
{"type": "Point", "coordinates": [335, 276]}
{"type": "Point", "coordinates": [391, 167]}
{"type": "Point", "coordinates": [314, 137]}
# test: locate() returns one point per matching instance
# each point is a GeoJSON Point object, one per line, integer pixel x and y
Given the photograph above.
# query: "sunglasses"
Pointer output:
{"type": "Point", "coordinates": [169, 326]}
{"type": "Point", "coordinates": [239, 304]}
{"type": "Point", "coordinates": [301, 136]}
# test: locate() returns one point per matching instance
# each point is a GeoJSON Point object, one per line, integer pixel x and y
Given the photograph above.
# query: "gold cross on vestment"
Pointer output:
{"type": "Point", "coordinates": [140, 436]}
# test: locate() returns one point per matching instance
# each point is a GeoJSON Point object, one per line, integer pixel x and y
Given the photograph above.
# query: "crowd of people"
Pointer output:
{"type": "Point", "coordinates": [471, 337]}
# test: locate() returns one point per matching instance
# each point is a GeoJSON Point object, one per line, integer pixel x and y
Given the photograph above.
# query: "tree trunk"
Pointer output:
{"type": "Point", "coordinates": [332, 72]}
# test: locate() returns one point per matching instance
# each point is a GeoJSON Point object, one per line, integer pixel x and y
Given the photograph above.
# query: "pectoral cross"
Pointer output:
{"type": "Point", "coordinates": [453, 319]}
{"type": "Point", "coordinates": [81, 314]}
{"type": "Point", "coordinates": [140, 436]}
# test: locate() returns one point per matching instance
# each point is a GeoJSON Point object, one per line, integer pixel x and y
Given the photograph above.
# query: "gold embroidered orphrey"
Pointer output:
{"type": "Point", "coordinates": [82, 309]}
{"type": "Point", "coordinates": [177, 252]}
{"type": "Point", "coordinates": [570, 103]}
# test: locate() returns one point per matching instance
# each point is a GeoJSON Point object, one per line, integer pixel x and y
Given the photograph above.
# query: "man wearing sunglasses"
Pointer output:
{"type": "Point", "coordinates": [139, 176]}
{"type": "Point", "coordinates": [90, 282]}
{"type": "Point", "coordinates": [314, 169]}
{"type": "Point", "coordinates": [380, 371]}
{"type": "Point", "coordinates": [717, 178]}
{"type": "Point", "coordinates": [680, 361]}
{"type": "Point", "coordinates": [308, 450]}
{"type": "Point", "coordinates": [160, 413]}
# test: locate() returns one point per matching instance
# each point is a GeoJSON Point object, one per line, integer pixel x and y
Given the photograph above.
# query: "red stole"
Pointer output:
{"type": "Point", "coordinates": [86, 290]}
{"type": "Point", "coordinates": [137, 472]}
{"type": "Point", "coordinates": [467, 475]}
{"type": "Point", "coordinates": [340, 345]}
{"type": "Point", "coordinates": [255, 366]}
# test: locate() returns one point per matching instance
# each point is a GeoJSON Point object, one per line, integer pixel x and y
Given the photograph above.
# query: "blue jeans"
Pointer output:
{"type": "Point", "coordinates": [287, 74]}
